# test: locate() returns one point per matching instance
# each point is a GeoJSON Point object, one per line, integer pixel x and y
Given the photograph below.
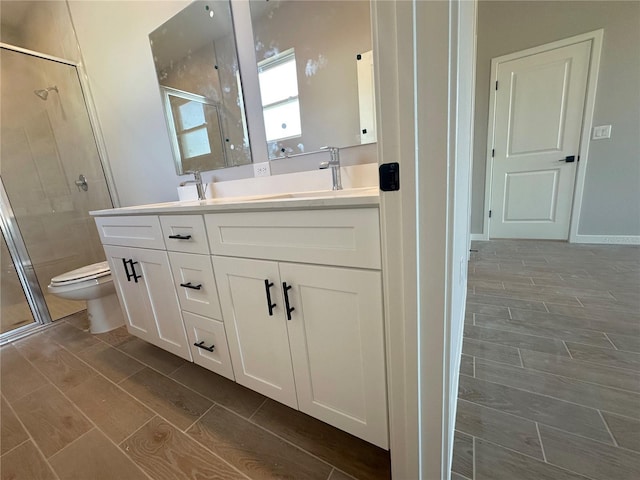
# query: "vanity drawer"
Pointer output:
{"type": "Point", "coordinates": [131, 231]}
{"type": "Point", "coordinates": [184, 233]}
{"type": "Point", "coordinates": [195, 283]}
{"type": "Point", "coordinates": [213, 336]}
{"type": "Point", "coordinates": [344, 237]}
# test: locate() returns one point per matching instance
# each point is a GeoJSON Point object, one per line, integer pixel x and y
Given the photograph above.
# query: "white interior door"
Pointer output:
{"type": "Point", "coordinates": [539, 105]}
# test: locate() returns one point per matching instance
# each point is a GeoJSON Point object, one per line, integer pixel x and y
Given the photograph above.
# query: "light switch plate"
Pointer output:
{"type": "Point", "coordinates": [262, 169]}
{"type": "Point", "coordinates": [601, 131]}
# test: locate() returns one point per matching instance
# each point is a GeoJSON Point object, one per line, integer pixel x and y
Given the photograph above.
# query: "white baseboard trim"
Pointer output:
{"type": "Point", "coordinates": [606, 239]}
{"type": "Point", "coordinates": [478, 237]}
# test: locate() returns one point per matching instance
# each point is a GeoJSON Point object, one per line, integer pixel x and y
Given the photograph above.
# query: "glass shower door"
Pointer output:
{"type": "Point", "coordinates": [14, 307]}
{"type": "Point", "coordinates": [50, 168]}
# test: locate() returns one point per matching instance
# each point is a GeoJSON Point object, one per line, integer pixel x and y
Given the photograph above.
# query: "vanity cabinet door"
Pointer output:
{"type": "Point", "coordinates": [257, 335]}
{"type": "Point", "coordinates": [148, 298]}
{"type": "Point", "coordinates": [135, 305]}
{"type": "Point", "coordinates": [337, 347]}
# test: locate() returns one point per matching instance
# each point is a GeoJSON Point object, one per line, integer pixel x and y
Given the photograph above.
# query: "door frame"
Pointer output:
{"type": "Point", "coordinates": [424, 56]}
{"type": "Point", "coordinates": [596, 38]}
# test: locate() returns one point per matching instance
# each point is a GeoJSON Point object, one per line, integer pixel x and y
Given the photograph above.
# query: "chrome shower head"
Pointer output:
{"type": "Point", "coordinates": [44, 93]}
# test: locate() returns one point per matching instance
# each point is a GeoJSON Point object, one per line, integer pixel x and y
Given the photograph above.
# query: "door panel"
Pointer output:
{"type": "Point", "coordinates": [337, 347]}
{"type": "Point", "coordinates": [135, 306]}
{"type": "Point", "coordinates": [538, 102]}
{"type": "Point", "coordinates": [538, 120]}
{"type": "Point", "coordinates": [153, 266]}
{"type": "Point", "coordinates": [258, 342]}
{"type": "Point", "coordinates": [529, 184]}
{"type": "Point", "coordinates": [150, 305]}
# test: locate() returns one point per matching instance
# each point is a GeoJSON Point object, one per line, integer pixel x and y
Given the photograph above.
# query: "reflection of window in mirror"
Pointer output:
{"type": "Point", "coordinates": [195, 130]}
{"type": "Point", "coordinates": [191, 128]}
{"type": "Point", "coordinates": [279, 90]}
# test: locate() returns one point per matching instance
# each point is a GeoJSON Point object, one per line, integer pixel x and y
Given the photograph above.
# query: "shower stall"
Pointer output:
{"type": "Point", "coordinates": [51, 176]}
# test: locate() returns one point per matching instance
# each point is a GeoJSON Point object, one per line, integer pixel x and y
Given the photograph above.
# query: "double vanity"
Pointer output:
{"type": "Point", "coordinates": [281, 293]}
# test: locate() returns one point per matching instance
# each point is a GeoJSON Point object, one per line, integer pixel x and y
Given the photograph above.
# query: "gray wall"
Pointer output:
{"type": "Point", "coordinates": [611, 201]}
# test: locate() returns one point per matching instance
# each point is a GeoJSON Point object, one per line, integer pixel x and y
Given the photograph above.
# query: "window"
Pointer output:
{"type": "Point", "coordinates": [195, 130]}
{"type": "Point", "coordinates": [191, 127]}
{"type": "Point", "coordinates": [279, 91]}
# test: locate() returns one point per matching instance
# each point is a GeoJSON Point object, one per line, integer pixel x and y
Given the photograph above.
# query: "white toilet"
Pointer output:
{"type": "Point", "coordinates": [94, 284]}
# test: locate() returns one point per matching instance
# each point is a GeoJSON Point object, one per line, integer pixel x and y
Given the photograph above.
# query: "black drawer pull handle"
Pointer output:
{"type": "Point", "coordinates": [201, 345]}
{"type": "Point", "coordinates": [286, 289]}
{"type": "Point", "coordinates": [267, 289]}
{"type": "Point", "coordinates": [193, 287]}
{"type": "Point", "coordinates": [180, 237]}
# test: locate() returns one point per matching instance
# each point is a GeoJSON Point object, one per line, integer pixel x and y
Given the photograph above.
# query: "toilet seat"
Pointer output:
{"type": "Point", "coordinates": [90, 272]}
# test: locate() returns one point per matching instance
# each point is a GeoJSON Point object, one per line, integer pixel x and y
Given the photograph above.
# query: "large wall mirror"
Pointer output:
{"type": "Point", "coordinates": [197, 66]}
{"type": "Point", "coordinates": [315, 69]}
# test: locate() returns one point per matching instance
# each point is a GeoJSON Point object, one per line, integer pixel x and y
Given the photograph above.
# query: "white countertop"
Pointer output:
{"type": "Point", "coordinates": [352, 198]}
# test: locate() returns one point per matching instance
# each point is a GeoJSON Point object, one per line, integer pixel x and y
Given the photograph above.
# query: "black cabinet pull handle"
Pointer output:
{"type": "Point", "coordinates": [126, 270]}
{"type": "Point", "coordinates": [133, 273]}
{"type": "Point", "coordinates": [201, 345]}
{"type": "Point", "coordinates": [286, 289]}
{"type": "Point", "coordinates": [180, 237]}
{"type": "Point", "coordinates": [189, 285]}
{"type": "Point", "coordinates": [267, 289]}
{"type": "Point", "coordinates": [133, 270]}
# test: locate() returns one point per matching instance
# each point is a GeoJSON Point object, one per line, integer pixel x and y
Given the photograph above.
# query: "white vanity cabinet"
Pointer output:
{"type": "Point", "coordinates": [142, 276]}
{"type": "Point", "coordinates": [307, 335]}
{"type": "Point", "coordinates": [285, 300]}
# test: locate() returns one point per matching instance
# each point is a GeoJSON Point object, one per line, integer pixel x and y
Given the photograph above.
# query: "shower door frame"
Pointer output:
{"type": "Point", "coordinates": [91, 110]}
{"type": "Point", "coordinates": [26, 274]}
{"type": "Point", "coordinates": [8, 225]}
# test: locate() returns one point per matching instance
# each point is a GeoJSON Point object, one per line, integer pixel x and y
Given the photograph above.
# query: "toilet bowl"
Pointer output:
{"type": "Point", "coordinates": [94, 284]}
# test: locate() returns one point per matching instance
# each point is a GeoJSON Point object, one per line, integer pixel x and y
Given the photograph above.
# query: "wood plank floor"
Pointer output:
{"type": "Point", "coordinates": [550, 373]}
{"type": "Point", "coordinates": [549, 389]}
{"type": "Point", "coordinates": [112, 407]}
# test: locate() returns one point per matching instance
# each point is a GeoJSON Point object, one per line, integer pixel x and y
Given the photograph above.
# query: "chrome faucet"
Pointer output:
{"type": "Point", "coordinates": [197, 181]}
{"type": "Point", "coordinates": [334, 163]}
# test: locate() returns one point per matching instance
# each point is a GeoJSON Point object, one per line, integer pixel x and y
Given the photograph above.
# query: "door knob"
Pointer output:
{"type": "Point", "coordinates": [569, 159]}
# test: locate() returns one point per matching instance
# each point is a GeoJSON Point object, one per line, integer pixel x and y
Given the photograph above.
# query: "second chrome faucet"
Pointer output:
{"type": "Point", "coordinates": [334, 163]}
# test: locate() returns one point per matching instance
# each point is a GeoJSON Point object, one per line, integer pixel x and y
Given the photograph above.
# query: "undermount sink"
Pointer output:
{"type": "Point", "coordinates": [318, 194]}
{"type": "Point", "coordinates": [351, 192]}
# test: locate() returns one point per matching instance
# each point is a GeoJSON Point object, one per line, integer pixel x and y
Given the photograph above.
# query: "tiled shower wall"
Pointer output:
{"type": "Point", "coordinates": [47, 144]}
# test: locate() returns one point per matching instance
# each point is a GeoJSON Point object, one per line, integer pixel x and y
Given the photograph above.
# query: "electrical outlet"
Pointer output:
{"type": "Point", "coordinates": [262, 169]}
